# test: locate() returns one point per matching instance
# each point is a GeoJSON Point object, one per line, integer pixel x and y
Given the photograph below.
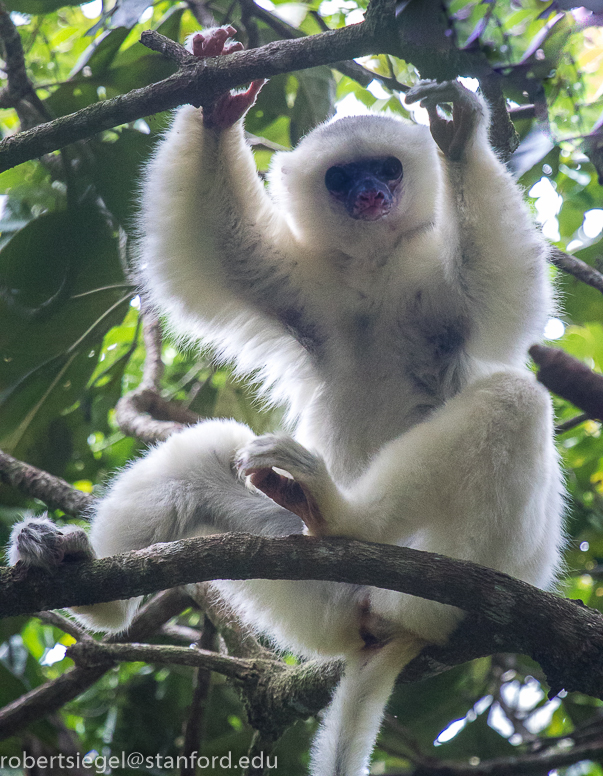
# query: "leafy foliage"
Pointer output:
{"type": "Point", "coordinates": [70, 343]}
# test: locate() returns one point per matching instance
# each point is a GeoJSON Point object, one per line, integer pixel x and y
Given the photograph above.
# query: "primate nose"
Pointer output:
{"type": "Point", "coordinates": [371, 197]}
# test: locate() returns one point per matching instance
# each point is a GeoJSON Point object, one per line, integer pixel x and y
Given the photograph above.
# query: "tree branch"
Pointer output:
{"type": "Point", "coordinates": [578, 268]}
{"type": "Point", "coordinates": [275, 695]}
{"type": "Point", "coordinates": [53, 695]}
{"type": "Point", "coordinates": [570, 378]}
{"type": "Point", "coordinates": [144, 413]}
{"type": "Point", "coordinates": [564, 637]}
{"type": "Point", "coordinates": [19, 92]}
{"type": "Point", "coordinates": [198, 81]}
{"type": "Point", "coordinates": [53, 491]}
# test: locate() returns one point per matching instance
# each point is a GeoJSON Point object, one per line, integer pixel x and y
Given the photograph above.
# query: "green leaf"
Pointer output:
{"type": "Point", "coordinates": [101, 52]}
{"type": "Point", "coordinates": [314, 102]}
{"type": "Point", "coordinates": [62, 289]}
{"type": "Point", "coordinates": [116, 172]}
{"type": "Point", "coordinates": [37, 6]}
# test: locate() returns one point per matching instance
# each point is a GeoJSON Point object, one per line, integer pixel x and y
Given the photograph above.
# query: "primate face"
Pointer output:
{"type": "Point", "coordinates": [365, 187]}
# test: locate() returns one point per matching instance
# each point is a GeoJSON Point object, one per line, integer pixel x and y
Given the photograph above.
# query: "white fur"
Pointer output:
{"type": "Point", "coordinates": [399, 347]}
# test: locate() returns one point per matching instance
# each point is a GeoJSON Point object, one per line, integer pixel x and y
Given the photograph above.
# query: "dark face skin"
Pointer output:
{"type": "Point", "coordinates": [365, 187]}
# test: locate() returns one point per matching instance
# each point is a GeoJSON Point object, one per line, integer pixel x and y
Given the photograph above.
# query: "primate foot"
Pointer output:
{"type": "Point", "coordinates": [305, 492]}
{"type": "Point", "coordinates": [37, 541]}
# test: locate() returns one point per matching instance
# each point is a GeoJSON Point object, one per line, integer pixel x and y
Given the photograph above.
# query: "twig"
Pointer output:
{"type": "Point", "coordinates": [567, 425]}
{"type": "Point", "coordinates": [53, 695]}
{"type": "Point", "coordinates": [578, 268]}
{"type": "Point", "coordinates": [522, 112]}
{"type": "Point", "coordinates": [67, 626]}
{"type": "Point", "coordinates": [193, 732]}
{"type": "Point", "coordinates": [92, 653]}
{"type": "Point", "coordinates": [259, 750]}
{"type": "Point", "coordinates": [169, 49]}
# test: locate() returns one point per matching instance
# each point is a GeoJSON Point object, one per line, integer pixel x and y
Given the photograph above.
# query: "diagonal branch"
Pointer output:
{"type": "Point", "coordinates": [198, 80]}
{"type": "Point", "coordinates": [578, 268]}
{"type": "Point", "coordinates": [19, 92]}
{"type": "Point", "coordinates": [570, 378]}
{"type": "Point", "coordinates": [54, 694]}
{"type": "Point", "coordinates": [53, 491]}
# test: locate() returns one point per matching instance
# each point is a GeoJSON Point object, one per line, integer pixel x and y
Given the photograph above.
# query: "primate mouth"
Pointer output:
{"type": "Point", "coordinates": [372, 213]}
{"type": "Point", "coordinates": [370, 204]}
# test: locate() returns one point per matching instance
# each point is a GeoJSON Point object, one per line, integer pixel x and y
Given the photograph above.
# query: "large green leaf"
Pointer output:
{"type": "Point", "coordinates": [314, 102]}
{"type": "Point", "coordinates": [63, 288]}
{"type": "Point", "coordinates": [102, 51]}
{"type": "Point", "coordinates": [114, 69]}
{"type": "Point", "coordinates": [117, 169]}
{"type": "Point", "coordinates": [37, 6]}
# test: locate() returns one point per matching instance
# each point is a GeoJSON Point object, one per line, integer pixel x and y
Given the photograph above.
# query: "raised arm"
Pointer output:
{"type": "Point", "coordinates": [499, 257]}
{"type": "Point", "coordinates": [214, 253]}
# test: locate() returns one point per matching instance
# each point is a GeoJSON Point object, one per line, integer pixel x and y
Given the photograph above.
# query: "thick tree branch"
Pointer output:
{"type": "Point", "coordinates": [199, 80]}
{"type": "Point", "coordinates": [570, 378]}
{"type": "Point", "coordinates": [567, 639]}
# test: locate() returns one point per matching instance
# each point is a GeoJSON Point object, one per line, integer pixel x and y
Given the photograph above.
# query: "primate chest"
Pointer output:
{"type": "Point", "coordinates": [403, 346]}
{"type": "Point", "coordinates": [383, 373]}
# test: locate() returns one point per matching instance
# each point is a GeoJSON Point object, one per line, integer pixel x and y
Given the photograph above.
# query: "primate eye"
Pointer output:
{"type": "Point", "coordinates": [392, 168]}
{"type": "Point", "coordinates": [336, 179]}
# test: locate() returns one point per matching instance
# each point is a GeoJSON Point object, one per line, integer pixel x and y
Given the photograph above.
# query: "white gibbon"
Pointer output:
{"type": "Point", "coordinates": [386, 288]}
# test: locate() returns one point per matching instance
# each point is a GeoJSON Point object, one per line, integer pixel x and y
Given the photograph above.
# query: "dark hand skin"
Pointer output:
{"type": "Point", "coordinates": [451, 136]}
{"type": "Point", "coordinates": [291, 495]}
{"type": "Point", "coordinates": [228, 108]}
